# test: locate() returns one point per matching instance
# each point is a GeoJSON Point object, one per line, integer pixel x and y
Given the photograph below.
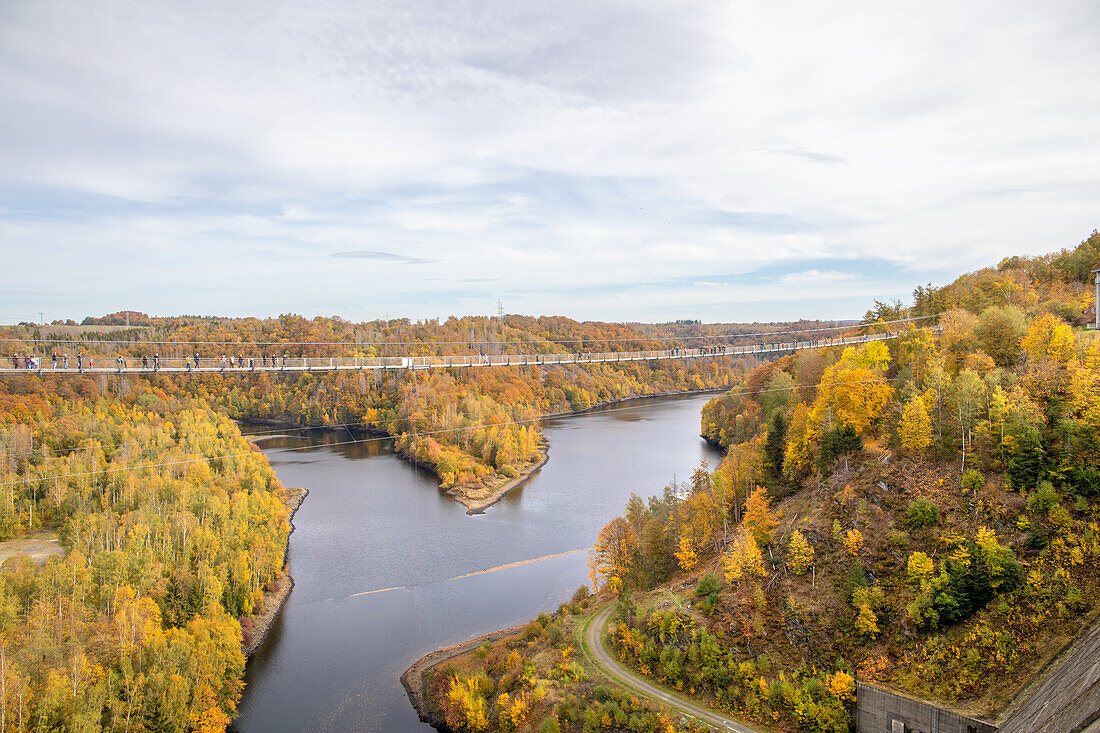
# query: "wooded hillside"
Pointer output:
{"type": "Point", "coordinates": [171, 525]}
{"type": "Point", "coordinates": [920, 514]}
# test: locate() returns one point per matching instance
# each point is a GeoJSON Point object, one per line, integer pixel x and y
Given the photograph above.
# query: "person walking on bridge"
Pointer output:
{"type": "Point", "coordinates": [65, 360]}
{"type": "Point", "coordinates": [156, 361]}
{"type": "Point", "coordinates": [144, 361]}
{"type": "Point", "coordinates": [53, 356]}
{"type": "Point", "coordinates": [80, 361]}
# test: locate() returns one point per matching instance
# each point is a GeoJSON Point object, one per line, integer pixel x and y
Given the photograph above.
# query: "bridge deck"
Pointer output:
{"type": "Point", "coordinates": [185, 365]}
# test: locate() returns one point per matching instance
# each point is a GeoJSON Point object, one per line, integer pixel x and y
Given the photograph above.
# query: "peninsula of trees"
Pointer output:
{"type": "Point", "coordinates": [477, 429]}
{"type": "Point", "coordinates": [171, 525]}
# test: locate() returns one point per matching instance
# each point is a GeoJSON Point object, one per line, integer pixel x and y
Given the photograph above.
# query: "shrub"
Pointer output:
{"type": "Point", "coordinates": [247, 631]}
{"type": "Point", "coordinates": [707, 585]}
{"type": "Point", "coordinates": [550, 725]}
{"type": "Point", "coordinates": [972, 481]}
{"type": "Point", "coordinates": [1042, 499]}
{"type": "Point", "coordinates": [922, 512]}
{"type": "Point", "coordinates": [897, 539]}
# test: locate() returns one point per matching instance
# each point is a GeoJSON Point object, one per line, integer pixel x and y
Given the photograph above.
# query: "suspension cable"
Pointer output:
{"type": "Point", "coordinates": [184, 342]}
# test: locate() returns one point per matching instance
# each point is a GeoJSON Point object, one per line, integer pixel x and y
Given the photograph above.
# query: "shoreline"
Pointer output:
{"type": "Point", "coordinates": [478, 506]}
{"type": "Point", "coordinates": [635, 398]}
{"type": "Point", "coordinates": [285, 423]}
{"type": "Point", "coordinates": [413, 677]}
{"type": "Point", "coordinates": [273, 602]}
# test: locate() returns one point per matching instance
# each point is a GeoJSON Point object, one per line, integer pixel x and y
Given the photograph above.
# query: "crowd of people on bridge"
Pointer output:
{"type": "Point", "coordinates": [702, 351]}
{"type": "Point", "coordinates": [32, 362]}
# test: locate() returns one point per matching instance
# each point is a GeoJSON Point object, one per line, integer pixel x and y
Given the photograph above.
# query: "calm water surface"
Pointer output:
{"type": "Point", "coordinates": [378, 553]}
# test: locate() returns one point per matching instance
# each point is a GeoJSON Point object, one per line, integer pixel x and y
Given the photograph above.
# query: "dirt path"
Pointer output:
{"type": "Point", "coordinates": [611, 667]}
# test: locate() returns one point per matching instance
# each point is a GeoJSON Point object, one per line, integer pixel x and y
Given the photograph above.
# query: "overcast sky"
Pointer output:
{"type": "Point", "coordinates": [602, 160]}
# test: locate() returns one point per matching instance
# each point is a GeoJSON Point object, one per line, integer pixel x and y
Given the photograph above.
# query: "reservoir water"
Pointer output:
{"type": "Point", "coordinates": [388, 568]}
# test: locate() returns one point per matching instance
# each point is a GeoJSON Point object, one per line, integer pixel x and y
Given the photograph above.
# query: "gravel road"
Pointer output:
{"type": "Point", "coordinates": [627, 678]}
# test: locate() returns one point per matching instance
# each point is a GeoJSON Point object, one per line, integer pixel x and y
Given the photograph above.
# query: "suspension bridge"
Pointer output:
{"type": "Point", "coordinates": [237, 364]}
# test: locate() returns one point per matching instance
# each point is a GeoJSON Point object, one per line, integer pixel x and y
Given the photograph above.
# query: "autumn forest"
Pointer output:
{"type": "Point", "coordinates": [920, 512]}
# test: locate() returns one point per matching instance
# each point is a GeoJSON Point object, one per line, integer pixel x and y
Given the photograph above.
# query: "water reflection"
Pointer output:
{"type": "Point", "coordinates": [388, 567]}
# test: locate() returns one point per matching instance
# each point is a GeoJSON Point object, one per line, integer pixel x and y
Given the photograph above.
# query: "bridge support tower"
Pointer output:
{"type": "Point", "coordinates": [1096, 277]}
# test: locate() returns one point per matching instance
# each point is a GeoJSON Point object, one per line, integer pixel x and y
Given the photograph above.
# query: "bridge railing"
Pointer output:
{"type": "Point", "coordinates": [264, 362]}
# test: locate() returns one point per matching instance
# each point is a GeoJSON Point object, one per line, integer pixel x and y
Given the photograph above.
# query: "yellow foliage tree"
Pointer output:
{"type": "Point", "coordinates": [801, 434]}
{"type": "Point", "coordinates": [800, 556]}
{"type": "Point", "coordinates": [871, 355]}
{"type": "Point", "coordinates": [853, 542]}
{"type": "Point", "coordinates": [920, 568]}
{"type": "Point", "coordinates": [210, 720]}
{"type": "Point", "coordinates": [867, 622]}
{"type": "Point", "coordinates": [850, 396]}
{"type": "Point", "coordinates": [744, 560]}
{"type": "Point", "coordinates": [759, 519]}
{"type": "Point", "coordinates": [686, 555]}
{"type": "Point", "coordinates": [916, 427]}
{"type": "Point", "coordinates": [467, 696]}
{"type": "Point", "coordinates": [1084, 394]}
{"type": "Point", "coordinates": [614, 553]}
{"type": "Point", "coordinates": [842, 685]}
{"type": "Point", "coordinates": [511, 714]}
{"type": "Point", "coordinates": [1049, 337]}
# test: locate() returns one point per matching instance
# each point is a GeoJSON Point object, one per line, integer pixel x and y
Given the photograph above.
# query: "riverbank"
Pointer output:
{"type": "Point", "coordinates": [273, 600]}
{"type": "Point", "coordinates": [478, 505]}
{"type": "Point", "coordinates": [636, 398]}
{"type": "Point", "coordinates": [413, 678]}
{"type": "Point", "coordinates": [478, 498]}
{"type": "Point", "coordinates": [285, 423]}
{"type": "Point", "coordinates": [336, 665]}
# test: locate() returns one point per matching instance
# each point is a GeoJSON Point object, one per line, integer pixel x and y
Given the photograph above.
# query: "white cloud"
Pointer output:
{"type": "Point", "coordinates": [816, 276]}
{"type": "Point", "coordinates": [589, 149]}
